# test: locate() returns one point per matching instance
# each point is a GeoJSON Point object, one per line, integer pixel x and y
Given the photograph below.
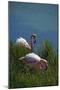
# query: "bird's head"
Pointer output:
{"type": "Point", "coordinates": [43, 65]}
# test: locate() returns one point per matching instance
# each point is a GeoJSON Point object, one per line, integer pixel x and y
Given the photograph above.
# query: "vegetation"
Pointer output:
{"type": "Point", "coordinates": [21, 75]}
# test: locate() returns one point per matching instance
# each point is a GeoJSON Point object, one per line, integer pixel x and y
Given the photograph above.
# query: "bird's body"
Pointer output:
{"type": "Point", "coordinates": [31, 58]}
{"type": "Point", "coordinates": [23, 43]}
{"type": "Point", "coordinates": [35, 61]}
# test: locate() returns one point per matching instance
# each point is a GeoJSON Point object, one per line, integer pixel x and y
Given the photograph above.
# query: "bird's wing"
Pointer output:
{"type": "Point", "coordinates": [32, 58]}
{"type": "Point", "coordinates": [22, 42]}
{"type": "Point", "coordinates": [33, 55]}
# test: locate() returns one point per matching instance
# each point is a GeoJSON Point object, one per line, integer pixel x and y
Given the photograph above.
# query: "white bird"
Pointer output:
{"type": "Point", "coordinates": [35, 61]}
{"type": "Point", "coordinates": [23, 43]}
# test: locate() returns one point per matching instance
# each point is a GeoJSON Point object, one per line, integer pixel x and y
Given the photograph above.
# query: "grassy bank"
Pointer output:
{"type": "Point", "coordinates": [21, 75]}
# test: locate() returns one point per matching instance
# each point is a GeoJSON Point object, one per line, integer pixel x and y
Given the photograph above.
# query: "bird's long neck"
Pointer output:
{"type": "Point", "coordinates": [31, 44]}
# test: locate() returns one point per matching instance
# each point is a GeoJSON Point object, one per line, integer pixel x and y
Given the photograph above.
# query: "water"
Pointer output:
{"type": "Point", "coordinates": [42, 19]}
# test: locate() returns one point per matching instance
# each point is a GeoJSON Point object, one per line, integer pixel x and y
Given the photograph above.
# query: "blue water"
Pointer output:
{"type": "Point", "coordinates": [27, 18]}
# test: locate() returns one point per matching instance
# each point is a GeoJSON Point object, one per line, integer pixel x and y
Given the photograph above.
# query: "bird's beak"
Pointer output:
{"type": "Point", "coordinates": [43, 65]}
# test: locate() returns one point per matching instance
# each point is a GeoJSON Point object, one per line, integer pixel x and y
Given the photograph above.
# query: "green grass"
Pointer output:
{"type": "Point", "coordinates": [21, 75]}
